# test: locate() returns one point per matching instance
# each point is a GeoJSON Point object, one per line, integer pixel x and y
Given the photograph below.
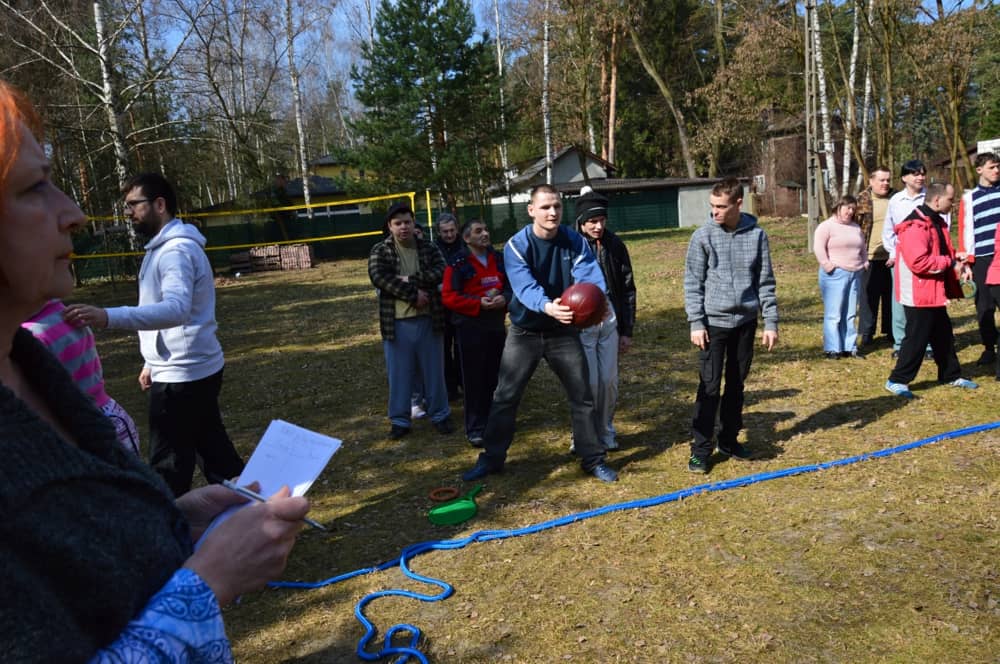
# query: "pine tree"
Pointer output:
{"type": "Point", "coordinates": [429, 87]}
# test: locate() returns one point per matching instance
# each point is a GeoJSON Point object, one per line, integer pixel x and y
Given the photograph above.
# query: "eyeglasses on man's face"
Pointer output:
{"type": "Point", "coordinates": [131, 205]}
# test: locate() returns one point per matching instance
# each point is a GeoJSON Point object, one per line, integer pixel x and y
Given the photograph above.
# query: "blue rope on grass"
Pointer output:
{"type": "Point", "coordinates": [445, 590]}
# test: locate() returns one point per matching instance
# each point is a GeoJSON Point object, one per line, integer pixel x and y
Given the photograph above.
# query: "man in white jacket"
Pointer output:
{"type": "Point", "coordinates": [176, 324]}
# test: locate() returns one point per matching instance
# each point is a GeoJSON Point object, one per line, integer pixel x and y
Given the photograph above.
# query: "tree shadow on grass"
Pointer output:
{"type": "Point", "coordinates": [856, 414]}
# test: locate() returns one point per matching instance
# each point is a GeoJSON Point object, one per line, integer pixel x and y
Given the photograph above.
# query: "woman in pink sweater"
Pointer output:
{"type": "Point", "coordinates": [843, 255]}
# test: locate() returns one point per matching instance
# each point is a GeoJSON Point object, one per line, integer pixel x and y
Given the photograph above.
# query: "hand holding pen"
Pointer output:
{"type": "Point", "coordinates": [246, 492]}
{"type": "Point", "coordinates": [251, 547]}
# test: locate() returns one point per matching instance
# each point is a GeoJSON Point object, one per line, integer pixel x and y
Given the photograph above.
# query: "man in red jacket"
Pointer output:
{"type": "Point", "coordinates": [475, 291]}
{"type": "Point", "coordinates": [926, 280]}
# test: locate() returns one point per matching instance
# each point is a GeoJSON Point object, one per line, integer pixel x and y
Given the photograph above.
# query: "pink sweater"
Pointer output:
{"type": "Point", "coordinates": [840, 245]}
{"type": "Point", "coordinates": [74, 346]}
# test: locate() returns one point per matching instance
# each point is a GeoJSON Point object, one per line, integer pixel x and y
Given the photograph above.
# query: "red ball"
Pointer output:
{"type": "Point", "coordinates": [587, 302]}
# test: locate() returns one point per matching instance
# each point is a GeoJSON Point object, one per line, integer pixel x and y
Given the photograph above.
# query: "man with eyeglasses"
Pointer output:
{"type": "Point", "coordinates": [177, 338]}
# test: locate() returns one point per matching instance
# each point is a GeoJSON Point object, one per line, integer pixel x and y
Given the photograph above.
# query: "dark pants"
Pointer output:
{"type": "Point", "coordinates": [563, 352]}
{"type": "Point", "coordinates": [927, 325]}
{"type": "Point", "coordinates": [876, 295]}
{"type": "Point", "coordinates": [452, 370]}
{"type": "Point", "coordinates": [729, 349]}
{"type": "Point", "coordinates": [479, 352]}
{"type": "Point", "coordinates": [185, 424]}
{"type": "Point", "coordinates": [986, 302]}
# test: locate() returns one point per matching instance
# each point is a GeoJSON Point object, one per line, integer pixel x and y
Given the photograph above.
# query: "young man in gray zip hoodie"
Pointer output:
{"type": "Point", "coordinates": [728, 280]}
{"type": "Point", "coordinates": [183, 359]}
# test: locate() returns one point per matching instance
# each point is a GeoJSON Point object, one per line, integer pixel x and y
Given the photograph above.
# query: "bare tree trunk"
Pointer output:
{"type": "Point", "coordinates": [546, 112]}
{"type": "Point", "coordinates": [613, 95]}
{"type": "Point", "coordinates": [845, 178]}
{"type": "Point", "coordinates": [293, 75]}
{"type": "Point", "coordinates": [504, 163]}
{"type": "Point", "coordinates": [824, 109]}
{"type": "Point", "coordinates": [866, 108]}
{"type": "Point", "coordinates": [682, 134]}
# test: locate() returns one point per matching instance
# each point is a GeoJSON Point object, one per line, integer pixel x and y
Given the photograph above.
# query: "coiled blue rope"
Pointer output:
{"type": "Point", "coordinates": [445, 590]}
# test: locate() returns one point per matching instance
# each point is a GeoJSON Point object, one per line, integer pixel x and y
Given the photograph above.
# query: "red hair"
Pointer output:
{"type": "Point", "coordinates": [15, 110]}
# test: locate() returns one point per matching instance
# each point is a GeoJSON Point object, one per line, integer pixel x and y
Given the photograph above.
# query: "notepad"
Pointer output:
{"type": "Point", "coordinates": [288, 455]}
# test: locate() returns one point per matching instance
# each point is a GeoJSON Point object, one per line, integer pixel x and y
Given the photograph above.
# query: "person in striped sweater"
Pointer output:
{"type": "Point", "coordinates": [978, 215]}
{"type": "Point", "coordinates": [75, 349]}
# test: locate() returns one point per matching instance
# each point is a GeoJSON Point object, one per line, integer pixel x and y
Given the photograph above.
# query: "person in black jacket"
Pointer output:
{"type": "Point", "coordinates": [603, 342]}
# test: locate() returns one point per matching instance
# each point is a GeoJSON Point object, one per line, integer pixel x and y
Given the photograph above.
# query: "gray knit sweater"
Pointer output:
{"type": "Point", "coordinates": [87, 534]}
{"type": "Point", "coordinates": [728, 277]}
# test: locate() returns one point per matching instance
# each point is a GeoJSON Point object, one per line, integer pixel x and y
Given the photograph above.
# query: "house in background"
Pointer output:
{"type": "Point", "coordinates": [569, 165]}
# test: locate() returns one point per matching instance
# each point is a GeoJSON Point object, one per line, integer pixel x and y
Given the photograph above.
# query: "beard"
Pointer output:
{"type": "Point", "coordinates": [145, 228]}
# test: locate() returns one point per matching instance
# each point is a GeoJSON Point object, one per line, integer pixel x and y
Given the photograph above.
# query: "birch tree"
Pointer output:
{"type": "Point", "coordinates": [824, 109]}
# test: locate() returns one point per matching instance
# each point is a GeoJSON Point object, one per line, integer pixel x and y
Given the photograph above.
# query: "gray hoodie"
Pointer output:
{"type": "Point", "coordinates": [176, 313]}
{"type": "Point", "coordinates": [728, 277]}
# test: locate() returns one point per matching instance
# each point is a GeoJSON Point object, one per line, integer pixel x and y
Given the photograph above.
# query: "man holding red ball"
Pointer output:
{"type": "Point", "coordinates": [542, 260]}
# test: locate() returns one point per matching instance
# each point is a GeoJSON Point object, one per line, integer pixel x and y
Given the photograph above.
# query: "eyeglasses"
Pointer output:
{"type": "Point", "coordinates": [130, 205]}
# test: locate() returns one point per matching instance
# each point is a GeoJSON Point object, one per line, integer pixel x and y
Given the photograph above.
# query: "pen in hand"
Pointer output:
{"type": "Point", "coordinates": [253, 495]}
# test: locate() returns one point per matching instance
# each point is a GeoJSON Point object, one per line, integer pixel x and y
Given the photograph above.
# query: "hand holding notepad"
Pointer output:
{"type": "Point", "coordinates": [287, 455]}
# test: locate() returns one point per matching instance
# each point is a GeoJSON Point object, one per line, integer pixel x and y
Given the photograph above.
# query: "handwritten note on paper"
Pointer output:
{"type": "Point", "coordinates": [288, 455]}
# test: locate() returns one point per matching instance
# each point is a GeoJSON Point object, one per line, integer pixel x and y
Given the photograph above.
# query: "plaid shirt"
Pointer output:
{"type": "Point", "coordinates": [383, 270]}
{"type": "Point", "coordinates": [864, 213]}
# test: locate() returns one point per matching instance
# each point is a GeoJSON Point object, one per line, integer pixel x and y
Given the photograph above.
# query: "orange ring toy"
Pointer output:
{"type": "Point", "coordinates": [443, 494]}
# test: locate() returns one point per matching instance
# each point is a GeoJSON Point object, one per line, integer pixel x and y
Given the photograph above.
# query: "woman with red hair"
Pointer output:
{"type": "Point", "coordinates": [99, 562]}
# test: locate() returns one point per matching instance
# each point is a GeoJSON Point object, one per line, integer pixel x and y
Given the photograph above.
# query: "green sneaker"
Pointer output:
{"type": "Point", "coordinates": [698, 464]}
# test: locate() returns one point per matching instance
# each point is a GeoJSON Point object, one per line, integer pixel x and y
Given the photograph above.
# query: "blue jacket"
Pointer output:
{"type": "Point", "coordinates": [540, 270]}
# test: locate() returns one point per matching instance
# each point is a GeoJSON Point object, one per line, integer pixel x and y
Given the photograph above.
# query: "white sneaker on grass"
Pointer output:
{"type": "Point", "coordinates": [964, 383]}
{"type": "Point", "coordinates": [899, 389]}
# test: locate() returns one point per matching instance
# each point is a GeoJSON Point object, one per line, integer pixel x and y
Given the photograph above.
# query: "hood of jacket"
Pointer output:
{"type": "Point", "coordinates": [175, 228]}
{"type": "Point", "coordinates": [747, 222]}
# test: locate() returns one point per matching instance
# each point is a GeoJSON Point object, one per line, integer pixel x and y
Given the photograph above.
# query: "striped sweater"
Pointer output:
{"type": "Point", "coordinates": [73, 346]}
{"type": "Point", "coordinates": [977, 217]}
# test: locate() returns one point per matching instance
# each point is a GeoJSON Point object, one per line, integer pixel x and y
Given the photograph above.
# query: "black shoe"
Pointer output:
{"type": "Point", "coordinates": [831, 355]}
{"type": "Point", "coordinates": [604, 472]}
{"type": "Point", "coordinates": [735, 450]}
{"type": "Point", "coordinates": [482, 468]}
{"type": "Point", "coordinates": [397, 431]}
{"type": "Point", "coordinates": [476, 440]}
{"type": "Point", "coordinates": [698, 464]}
{"type": "Point", "coordinates": [853, 354]}
{"type": "Point", "coordinates": [444, 427]}
{"type": "Point", "coordinates": [988, 357]}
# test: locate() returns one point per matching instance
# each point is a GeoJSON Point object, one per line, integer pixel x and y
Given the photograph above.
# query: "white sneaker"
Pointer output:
{"type": "Point", "coordinates": [417, 413]}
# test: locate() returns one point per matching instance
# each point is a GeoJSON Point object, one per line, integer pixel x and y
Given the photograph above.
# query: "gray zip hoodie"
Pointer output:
{"type": "Point", "coordinates": [728, 277]}
{"type": "Point", "coordinates": [176, 313]}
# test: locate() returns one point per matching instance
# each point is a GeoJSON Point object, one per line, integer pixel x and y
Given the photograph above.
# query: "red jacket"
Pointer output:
{"type": "Point", "coordinates": [467, 281]}
{"type": "Point", "coordinates": [925, 277]}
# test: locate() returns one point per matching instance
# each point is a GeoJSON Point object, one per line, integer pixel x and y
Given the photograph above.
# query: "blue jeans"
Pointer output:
{"type": "Point", "coordinates": [600, 345]}
{"type": "Point", "coordinates": [416, 351]}
{"type": "Point", "coordinates": [840, 309]}
{"type": "Point", "coordinates": [898, 315]}
{"type": "Point", "coordinates": [522, 352]}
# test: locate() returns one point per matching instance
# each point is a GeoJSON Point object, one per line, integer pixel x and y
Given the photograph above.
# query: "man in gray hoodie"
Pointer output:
{"type": "Point", "coordinates": [183, 359]}
{"type": "Point", "coordinates": [728, 280]}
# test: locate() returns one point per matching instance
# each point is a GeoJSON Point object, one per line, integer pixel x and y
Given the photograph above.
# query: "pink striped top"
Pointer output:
{"type": "Point", "coordinates": [74, 346]}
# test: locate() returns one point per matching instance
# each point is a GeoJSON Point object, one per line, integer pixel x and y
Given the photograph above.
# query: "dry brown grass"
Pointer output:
{"type": "Point", "coordinates": [890, 560]}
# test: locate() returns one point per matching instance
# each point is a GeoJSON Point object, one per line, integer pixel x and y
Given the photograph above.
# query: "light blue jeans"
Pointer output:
{"type": "Point", "coordinates": [600, 346]}
{"type": "Point", "coordinates": [416, 351]}
{"type": "Point", "coordinates": [840, 309]}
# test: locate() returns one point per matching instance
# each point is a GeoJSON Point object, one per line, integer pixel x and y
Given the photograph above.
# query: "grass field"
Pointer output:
{"type": "Point", "coordinates": [888, 560]}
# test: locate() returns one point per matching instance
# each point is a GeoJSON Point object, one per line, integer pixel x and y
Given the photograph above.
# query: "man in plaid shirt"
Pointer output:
{"type": "Point", "coordinates": [407, 270]}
